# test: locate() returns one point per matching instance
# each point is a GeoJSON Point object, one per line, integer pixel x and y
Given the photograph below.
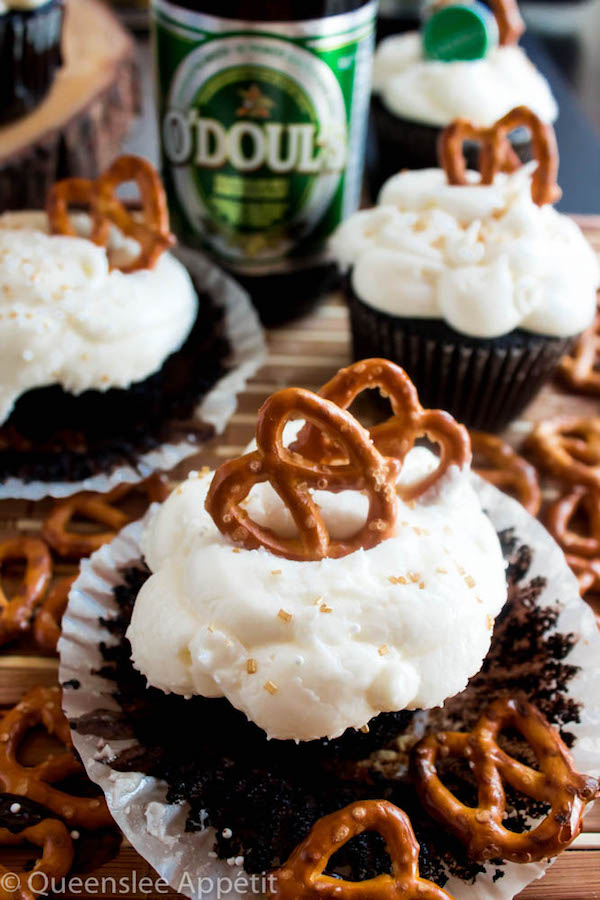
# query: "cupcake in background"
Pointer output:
{"type": "Point", "coordinates": [30, 53]}
{"type": "Point", "coordinates": [465, 62]}
{"type": "Point", "coordinates": [474, 283]}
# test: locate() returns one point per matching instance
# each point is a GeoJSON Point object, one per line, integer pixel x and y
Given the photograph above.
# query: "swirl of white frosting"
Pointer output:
{"type": "Point", "coordinates": [66, 319]}
{"type": "Point", "coordinates": [436, 93]}
{"type": "Point", "coordinates": [486, 260]}
{"type": "Point", "coordinates": [330, 643]}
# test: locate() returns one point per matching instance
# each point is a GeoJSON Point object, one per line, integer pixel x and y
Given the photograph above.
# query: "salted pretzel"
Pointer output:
{"type": "Point", "coordinates": [56, 860]}
{"type": "Point", "coordinates": [150, 229]}
{"type": "Point", "coordinates": [556, 783]}
{"type": "Point", "coordinates": [396, 436]}
{"type": "Point", "coordinates": [510, 24]}
{"type": "Point", "coordinates": [569, 448]}
{"type": "Point", "coordinates": [582, 550]}
{"type": "Point", "coordinates": [42, 706]}
{"type": "Point", "coordinates": [580, 369]}
{"type": "Point", "coordinates": [46, 625]}
{"type": "Point", "coordinates": [302, 878]}
{"type": "Point", "coordinates": [497, 155]}
{"type": "Point", "coordinates": [498, 463]}
{"type": "Point", "coordinates": [16, 614]}
{"type": "Point", "coordinates": [98, 508]}
{"type": "Point", "coordinates": [293, 476]}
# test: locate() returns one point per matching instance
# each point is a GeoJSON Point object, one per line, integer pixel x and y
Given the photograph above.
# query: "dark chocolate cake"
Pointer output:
{"type": "Point", "coordinates": [262, 797]}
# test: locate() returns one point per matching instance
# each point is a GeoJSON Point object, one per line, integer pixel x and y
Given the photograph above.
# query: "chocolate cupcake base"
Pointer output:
{"type": "Point", "coordinates": [485, 384]}
{"type": "Point", "coordinates": [404, 144]}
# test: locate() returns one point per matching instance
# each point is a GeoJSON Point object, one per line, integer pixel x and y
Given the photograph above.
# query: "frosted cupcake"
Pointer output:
{"type": "Point", "coordinates": [476, 288]}
{"type": "Point", "coordinates": [30, 53]}
{"type": "Point", "coordinates": [106, 341]}
{"type": "Point", "coordinates": [423, 81]}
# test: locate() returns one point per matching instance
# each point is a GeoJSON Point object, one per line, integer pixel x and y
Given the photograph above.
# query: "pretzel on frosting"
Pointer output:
{"type": "Point", "coordinates": [510, 24]}
{"type": "Point", "coordinates": [16, 614]}
{"type": "Point", "coordinates": [569, 448]}
{"type": "Point", "coordinates": [396, 436]}
{"type": "Point", "coordinates": [497, 155]}
{"type": "Point", "coordinates": [55, 862]}
{"type": "Point", "coordinates": [582, 550]}
{"type": "Point", "coordinates": [580, 368]}
{"type": "Point", "coordinates": [150, 230]}
{"type": "Point", "coordinates": [98, 508]}
{"type": "Point", "coordinates": [498, 463]}
{"type": "Point", "coordinates": [302, 878]}
{"type": "Point", "coordinates": [293, 476]}
{"type": "Point", "coordinates": [556, 783]}
{"type": "Point", "coordinates": [46, 625]}
{"type": "Point", "coordinates": [42, 706]}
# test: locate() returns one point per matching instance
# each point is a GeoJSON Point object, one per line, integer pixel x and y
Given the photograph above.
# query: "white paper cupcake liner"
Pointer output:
{"type": "Point", "coordinates": [248, 352]}
{"type": "Point", "coordinates": [137, 802]}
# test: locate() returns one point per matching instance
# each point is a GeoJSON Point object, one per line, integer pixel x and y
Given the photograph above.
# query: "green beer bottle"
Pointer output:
{"type": "Point", "coordinates": [263, 113]}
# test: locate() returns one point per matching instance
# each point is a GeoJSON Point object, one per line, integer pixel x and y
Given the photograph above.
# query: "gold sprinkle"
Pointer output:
{"type": "Point", "coordinates": [285, 616]}
{"type": "Point", "coordinates": [271, 687]}
{"type": "Point", "coordinates": [276, 572]}
{"type": "Point", "coordinates": [414, 577]}
{"type": "Point", "coordinates": [412, 504]}
{"type": "Point", "coordinates": [251, 666]}
{"type": "Point", "coordinates": [383, 650]}
{"type": "Point", "coordinates": [478, 598]}
{"type": "Point", "coordinates": [460, 569]}
{"type": "Point", "coordinates": [365, 729]}
{"type": "Point", "coordinates": [319, 600]}
{"type": "Point", "coordinates": [236, 550]}
{"type": "Point", "coordinates": [325, 609]}
{"type": "Point", "coordinates": [421, 585]}
{"type": "Point", "coordinates": [490, 622]}
{"type": "Point", "coordinates": [442, 571]}
{"type": "Point", "coordinates": [211, 629]}
{"type": "Point", "coordinates": [470, 581]}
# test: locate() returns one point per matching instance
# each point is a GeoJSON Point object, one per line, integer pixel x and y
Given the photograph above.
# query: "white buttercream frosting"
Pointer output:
{"type": "Point", "coordinates": [436, 93]}
{"type": "Point", "coordinates": [486, 260]}
{"type": "Point", "coordinates": [66, 319]}
{"type": "Point", "coordinates": [333, 642]}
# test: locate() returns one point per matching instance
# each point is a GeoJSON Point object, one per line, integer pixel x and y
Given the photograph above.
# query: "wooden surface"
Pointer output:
{"type": "Point", "coordinates": [79, 127]}
{"type": "Point", "coordinates": [303, 353]}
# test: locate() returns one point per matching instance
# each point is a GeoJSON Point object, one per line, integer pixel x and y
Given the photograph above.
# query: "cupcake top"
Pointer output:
{"type": "Point", "coordinates": [435, 93]}
{"type": "Point", "coordinates": [483, 257]}
{"type": "Point", "coordinates": [68, 318]}
{"type": "Point", "coordinates": [307, 648]}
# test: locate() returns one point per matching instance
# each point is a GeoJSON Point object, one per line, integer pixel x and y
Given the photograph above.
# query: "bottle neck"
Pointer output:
{"type": "Point", "coordinates": [273, 10]}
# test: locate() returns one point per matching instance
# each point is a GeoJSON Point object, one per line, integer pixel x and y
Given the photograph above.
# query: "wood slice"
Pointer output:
{"type": "Point", "coordinates": [79, 127]}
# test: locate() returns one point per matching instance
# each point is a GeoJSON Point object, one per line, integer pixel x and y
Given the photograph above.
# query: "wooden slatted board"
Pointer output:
{"type": "Point", "coordinates": [305, 353]}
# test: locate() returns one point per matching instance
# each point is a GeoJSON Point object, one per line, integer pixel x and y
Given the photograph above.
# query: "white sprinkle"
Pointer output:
{"type": "Point", "coordinates": [239, 860]}
{"type": "Point", "coordinates": [75, 835]}
{"type": "Point", "coordinates": [27, 355]}
{"type": "Point", "coordinates": [231, 861]}
{"type": "Point", "coordinates": [227, 833]}
{"type": "Point", "coordinates": [15, 807]}
{"type": "Point", "coordinates": [212, 854]}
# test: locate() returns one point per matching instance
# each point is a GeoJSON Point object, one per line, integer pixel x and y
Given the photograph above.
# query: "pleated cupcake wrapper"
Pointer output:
{"type": "Point", "coordinates": [248, 352]}
{"type": "Point", "coordinates": [30, 51]}
{"type": "Point", "coordinates": [138, 802]}
{"type": "Point", "coordinates": [483, 385]}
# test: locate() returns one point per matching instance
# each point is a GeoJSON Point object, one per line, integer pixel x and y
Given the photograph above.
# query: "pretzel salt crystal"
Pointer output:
{"type": "Point", "coordinates": [498, 463]}
{"type": "Point", "coordinates": [150, 229]}
{"type": "Point", "coordinates": [42, 706]}
{"type": "Point", "coordinates": [497, 155]}
{"type": "Point", "coordinates": [396, 436]}
{"type": "Point", "coordinates": [293, 477]}
{"type": "Point", "coordinates": [302, 878]}
{"type": "Point", "coordinates": [556, 783]}
{"type": "Point", "coordinates": [16, 614]}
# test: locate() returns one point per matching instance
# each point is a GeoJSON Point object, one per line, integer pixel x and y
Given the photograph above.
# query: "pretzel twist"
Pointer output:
{"type": "Point", "coordinates": [302, 878]}
{"type": "Point", "coordinates": [151, 230]}
{"type": "Point", "coordinates": [480, 828]}
{"type": "Point", "coordinates": [498, 463]}
{"type": "Point", "coordinates": [580, 369]}
{"type": "Point", "coordinates": [16, 614]}
{"type": "Point", "coordinates": [582, 550]}
{"type": "Point", "coordinates": [98, 508]}
{"type": "Point", "coordinates": [569, 448]}
{"type": "Point", "coordinates": [42, 706]}
{"type": "Point", "coordinates": [293, 476]}
{"type": "Point", "coordinates": [47, 623]}
{"type": "Point", "coordinates": [510, 24]}
{"type": "Point", "coordinates": [497, 155]}
{"type": "Point", "coordinates": [396, 436]}
{"type": "Point", "coordinates": [55, 862]}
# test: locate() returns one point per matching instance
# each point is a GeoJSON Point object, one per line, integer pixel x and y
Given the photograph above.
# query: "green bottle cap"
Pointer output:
{"type": "Point", "coordinates": [460, 32]}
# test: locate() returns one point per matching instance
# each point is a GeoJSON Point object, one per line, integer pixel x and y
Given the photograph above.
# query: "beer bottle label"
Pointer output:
{"type": "Point", "coordinates": [263, 130]}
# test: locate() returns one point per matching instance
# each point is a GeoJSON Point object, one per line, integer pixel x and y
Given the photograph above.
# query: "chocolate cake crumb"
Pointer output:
{"type": "Point", "coordinates": [266, 795]}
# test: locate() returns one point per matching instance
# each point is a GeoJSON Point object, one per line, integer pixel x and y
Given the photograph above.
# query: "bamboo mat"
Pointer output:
{"type": "Point", "coordinates": [304, 353]}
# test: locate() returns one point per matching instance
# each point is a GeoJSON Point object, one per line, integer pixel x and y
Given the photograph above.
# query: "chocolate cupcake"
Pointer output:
{"type": "Point", "coordinates": [474, 288]}
{"type": "Point", "coordinates": [417, 92]}
{"type": "Point", "coordinates": [109, 346]}
{"type": "Point", "coordinates": [30, 53]}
